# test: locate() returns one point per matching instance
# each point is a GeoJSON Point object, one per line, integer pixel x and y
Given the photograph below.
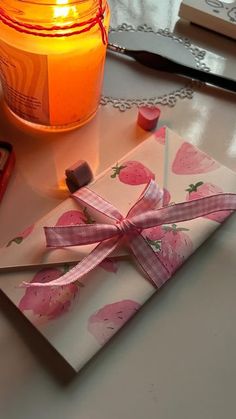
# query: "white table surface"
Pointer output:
{"type": "Point", "coordinates": [176, 358]}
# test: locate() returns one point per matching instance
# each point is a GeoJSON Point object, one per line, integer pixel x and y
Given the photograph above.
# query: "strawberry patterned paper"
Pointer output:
{"type": "Point", "coordinates": [201, 189]}
{"type": "Point", "coordinates": [21, 236]}
{"type": "Point", "coordinates": [78, 319]}
{"type": "Point", "coordinates": [109, 319]}
{"type": "Point", "coordinates": [190, 161]}
{"type": "Point", "coordinates": [172, 243]}
{"type": "Point", "coordinates": [49, 304]}
{"type": "Point", "coordinates": [132, 173]}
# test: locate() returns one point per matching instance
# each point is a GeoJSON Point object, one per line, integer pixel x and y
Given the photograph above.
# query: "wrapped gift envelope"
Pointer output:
{"type": "Point", "coordinates": [79, 318]}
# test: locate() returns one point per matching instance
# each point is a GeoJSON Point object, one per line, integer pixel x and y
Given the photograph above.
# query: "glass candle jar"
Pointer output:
{"type": "Point", "coordinates": [52, 55]}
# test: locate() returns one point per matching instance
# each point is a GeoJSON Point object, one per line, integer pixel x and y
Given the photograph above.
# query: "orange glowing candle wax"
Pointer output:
{"type": "Point", "coordinates": [52, 59]}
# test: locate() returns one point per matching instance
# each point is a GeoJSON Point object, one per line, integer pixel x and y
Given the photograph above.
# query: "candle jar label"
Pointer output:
{"type": "Point", "coordinates": [24, 77]}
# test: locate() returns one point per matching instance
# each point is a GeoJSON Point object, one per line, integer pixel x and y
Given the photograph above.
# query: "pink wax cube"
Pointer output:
{"type": "Point", "coordinates": [148, 117]}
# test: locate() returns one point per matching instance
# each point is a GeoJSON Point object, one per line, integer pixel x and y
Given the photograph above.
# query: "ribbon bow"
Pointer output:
{"type": "Point", "coordinates": [143, 215]}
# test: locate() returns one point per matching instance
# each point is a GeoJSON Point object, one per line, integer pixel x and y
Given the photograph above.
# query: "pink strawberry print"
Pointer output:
{"type": "Point", "coordinates": [109, 265]}
{"type": "Point", "coordinates": [21, 236]}
{"type": "Point", "coordinates": [190, 161]}
{"type": "Point", "coordinates": [201, 189]}
{"type": "Point", "coordinates": [160, 135]}
{"type": "Point", "coordinates": [132, 173]}
{"type": "Point", "coordinates": [166, 197]}
{"type": "Point", "coordinates": [172, 243]}
{"type": "Point", "coordinates": [51, 302]}
{"type": "Point", "coordinates": [74, 217]}
{"type": "Point", "coordinates": [154, 235]}
{"type": "Point", "coordinates": [109, 319]}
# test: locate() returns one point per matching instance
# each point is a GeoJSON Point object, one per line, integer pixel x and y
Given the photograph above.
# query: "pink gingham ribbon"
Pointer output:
{"type": "Point", "coordinates": [128, 230]}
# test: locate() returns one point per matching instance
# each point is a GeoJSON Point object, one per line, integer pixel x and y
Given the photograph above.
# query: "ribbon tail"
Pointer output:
{"type": "Point", "coordinates": [149, 261]}
{"type": "Point", "coordinates": [82, 268]}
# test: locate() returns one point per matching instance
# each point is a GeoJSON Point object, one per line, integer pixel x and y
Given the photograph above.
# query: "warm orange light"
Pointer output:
{"type": "Point", "coordinates": [54, 80]}
{"type": "Point", "coordinates": [62, 12]}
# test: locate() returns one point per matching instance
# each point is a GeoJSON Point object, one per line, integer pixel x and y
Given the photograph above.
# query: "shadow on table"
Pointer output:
{"type": "Point", "coordinates": [43, 155]}
{"type": "Point", "coordinates": [37, 344]}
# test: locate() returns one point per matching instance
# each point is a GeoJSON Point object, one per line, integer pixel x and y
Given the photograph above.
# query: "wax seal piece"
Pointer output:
{"type": "Point", "coordinates": [148, 117]}
{"type": "Point", "coordinates": [78, 175]}
{"type": "Point", "coordinates": [71, 185]}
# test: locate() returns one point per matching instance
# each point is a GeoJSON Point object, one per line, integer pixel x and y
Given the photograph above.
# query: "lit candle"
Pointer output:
{"type": "Point", "coordinates": [52, 59]}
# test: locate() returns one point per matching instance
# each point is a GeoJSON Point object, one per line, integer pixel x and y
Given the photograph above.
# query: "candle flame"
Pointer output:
{"type": "Point", "coordinates": [63, 11]}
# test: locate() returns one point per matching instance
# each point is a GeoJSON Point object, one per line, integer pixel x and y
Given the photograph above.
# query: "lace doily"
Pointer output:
{"type": "Point", "coordinates": [122, 82]}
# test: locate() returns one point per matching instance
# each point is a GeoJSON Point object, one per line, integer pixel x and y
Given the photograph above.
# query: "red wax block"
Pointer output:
{"type": "Point", "coordinates": [148, 117]}
{"type": "Point", "coordinates": [78, 175]}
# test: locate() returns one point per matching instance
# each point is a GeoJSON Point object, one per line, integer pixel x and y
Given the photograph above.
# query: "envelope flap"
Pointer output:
{"type": "Point", "coordinates": [28, 248]}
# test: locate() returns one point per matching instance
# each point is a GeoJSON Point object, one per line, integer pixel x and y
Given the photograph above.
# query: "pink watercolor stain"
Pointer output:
{"type": "Point", "coordinates": [132, 173]}
{"type": "Point", "coordinates": [189, 161]}
{"type": "Point", "coordinates": [160, 135]}
{"type": "Point", "coordinates": [109, 265]}
{"type": "Point", "coordinates": [166, 197]}
{"type": "Point", "coordinates": [172, 243]}
{"type": "Point", "coordinates": [200, 190]}
{"type": "Point", "coordinates": [21, 236]}
{"type": "Point", "coordinates": [109, 319]}
{"type": "Point", "coordinates": [50, 302]}
{"type": "Point", "coordinates": [71, 217]}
